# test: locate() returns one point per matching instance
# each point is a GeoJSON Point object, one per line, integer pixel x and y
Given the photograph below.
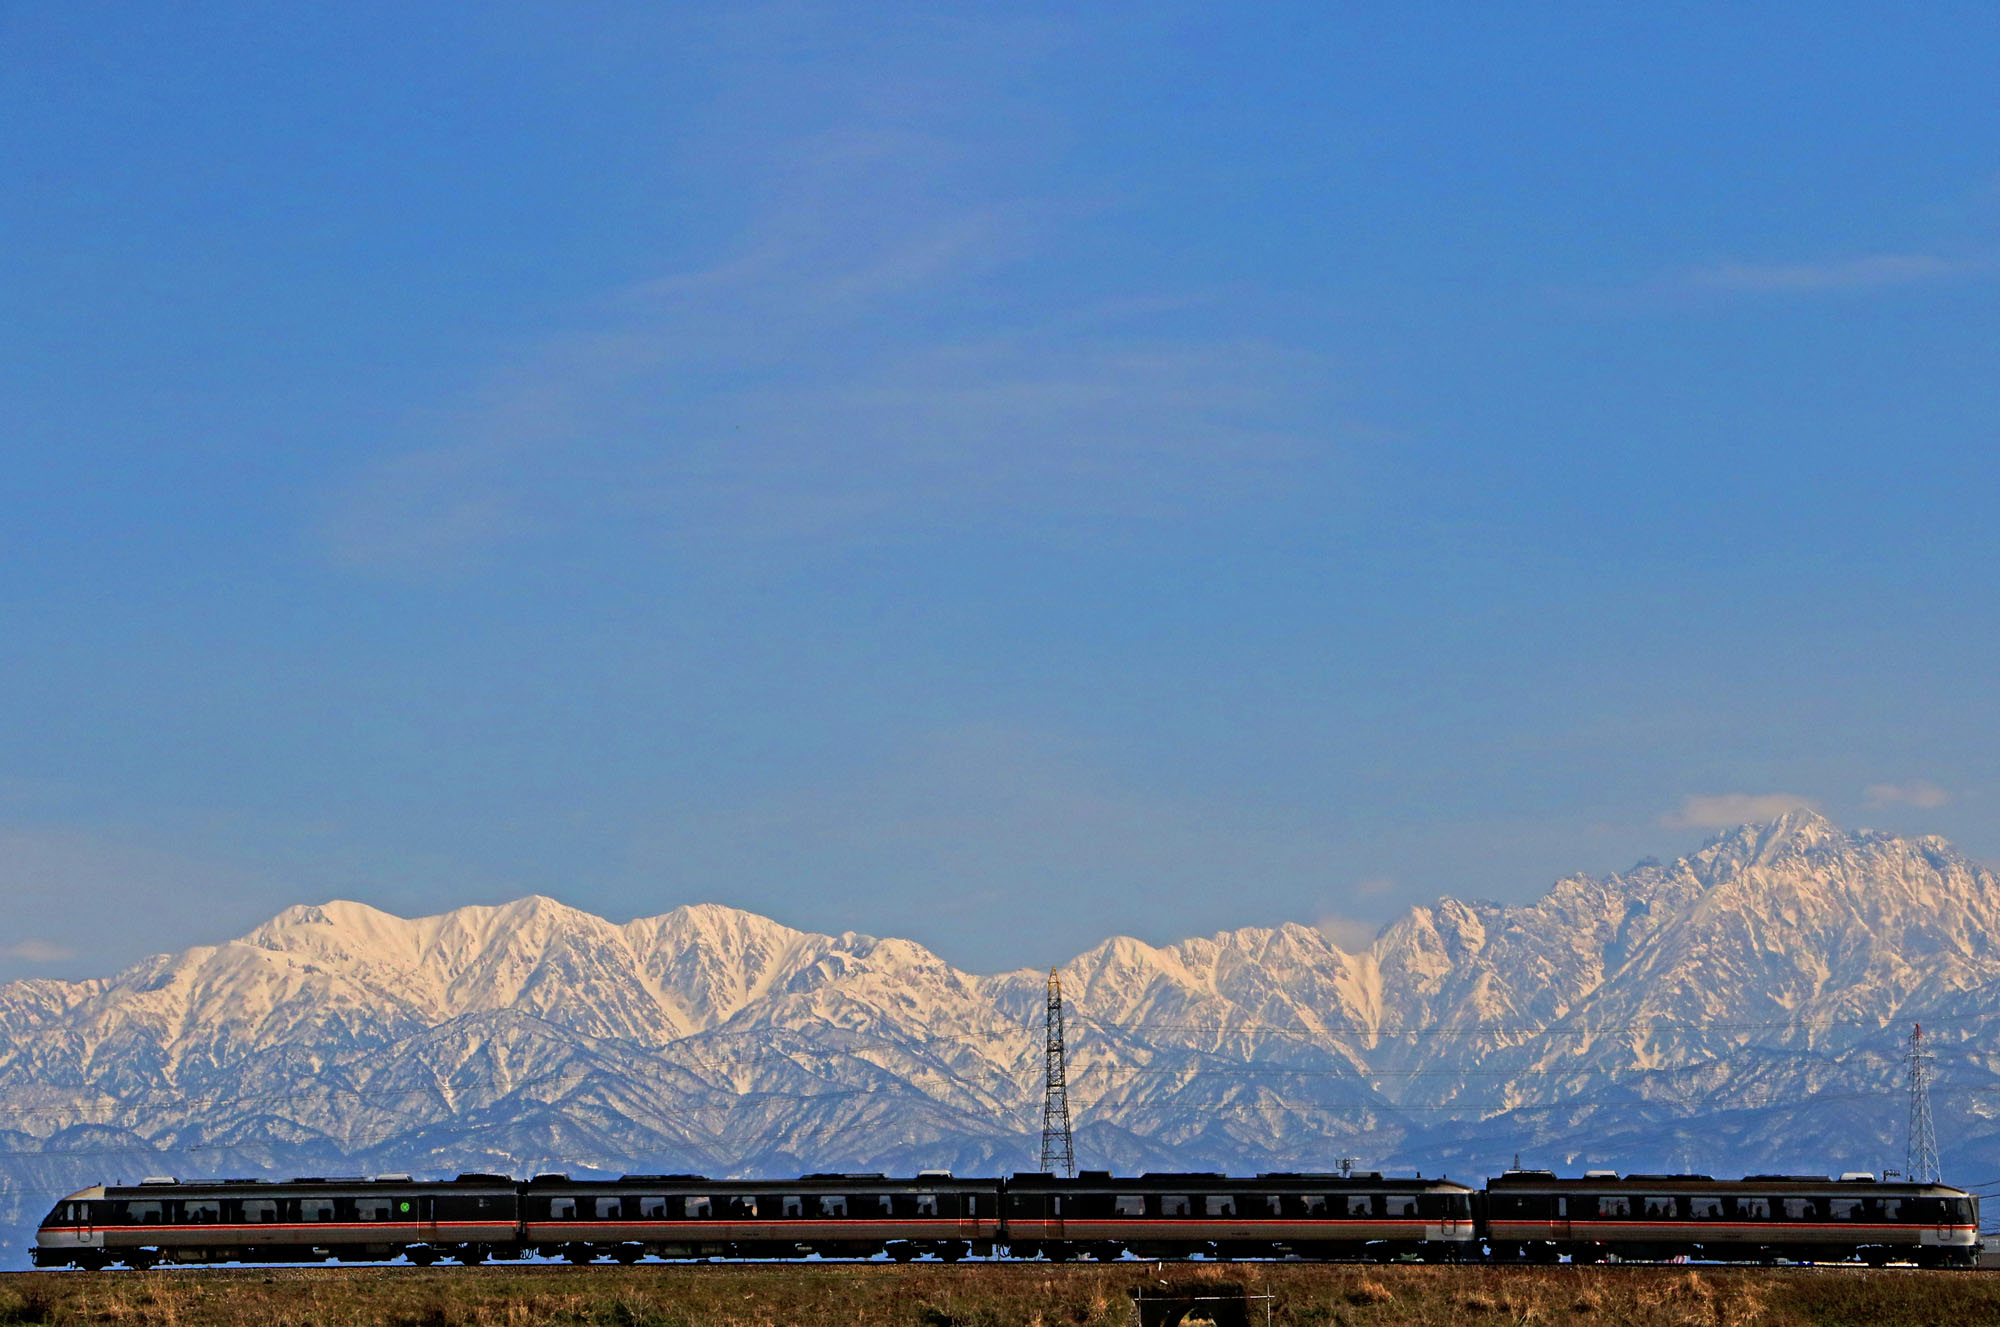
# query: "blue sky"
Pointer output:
{"type": "Point", "coordinates": [1001, 476]}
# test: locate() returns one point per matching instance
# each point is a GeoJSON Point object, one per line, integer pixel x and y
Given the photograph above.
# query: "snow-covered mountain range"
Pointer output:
{"type": "Point", "coordinates": [1743, 1007]}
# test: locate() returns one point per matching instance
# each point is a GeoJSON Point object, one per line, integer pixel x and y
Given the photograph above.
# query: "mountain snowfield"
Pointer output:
{"type": "Point", "coordinates": [1740, 1008]}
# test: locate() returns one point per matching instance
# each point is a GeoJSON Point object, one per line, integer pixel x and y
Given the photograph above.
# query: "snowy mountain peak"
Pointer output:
{"type": "Point", "coordinates": [1796, 832]}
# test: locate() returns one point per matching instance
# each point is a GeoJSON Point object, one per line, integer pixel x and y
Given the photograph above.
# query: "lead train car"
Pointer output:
{"type": "Point", "coordinates": [303, 1220]}
{"type": "Point", "coordinates": [1175, 1216]}
{"type": "Point", "coordinates": [1537, 1216]}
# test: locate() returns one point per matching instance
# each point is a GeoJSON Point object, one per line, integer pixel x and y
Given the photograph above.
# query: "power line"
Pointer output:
{"type": "Point", "coordinates": [1521, 1029]}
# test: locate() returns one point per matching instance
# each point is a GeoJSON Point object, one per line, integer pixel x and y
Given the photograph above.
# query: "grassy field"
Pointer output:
{"type": "Point", "coordinates": [965, 1296]}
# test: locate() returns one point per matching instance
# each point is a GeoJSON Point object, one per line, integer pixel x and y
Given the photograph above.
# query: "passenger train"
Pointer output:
{"type": "Point", "coordinates": [1521, 1216]}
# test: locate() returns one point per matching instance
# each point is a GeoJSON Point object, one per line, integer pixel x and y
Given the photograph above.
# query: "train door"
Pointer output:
{"type": "Point", "coordinates": [1055, 1216]}
{"type": "Point", "coordinates": [1560, 1219]}
{"type": "Point", "coordinates": [427, 1226]}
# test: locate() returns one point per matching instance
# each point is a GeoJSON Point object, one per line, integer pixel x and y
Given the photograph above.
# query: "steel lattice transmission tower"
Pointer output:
{"type": "Point", "coordinates": [1920, 1164]}
{"type": "Point", "coordinates": [1058, 1151]}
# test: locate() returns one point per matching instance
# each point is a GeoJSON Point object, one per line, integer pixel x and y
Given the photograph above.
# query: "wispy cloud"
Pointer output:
{"type": "Point", "coordinates": [1347, 934]}
{"type": "Point", "coordinates": [37, 951]}
{"type": "Point", "coordinates": [1917, 792]}
{"type": "Point", "coordinates": [859, 366]}
{"type": "Point", "coordinates": [1860, 272]}
{"type": "Point", "coordinates": [1726, 810]}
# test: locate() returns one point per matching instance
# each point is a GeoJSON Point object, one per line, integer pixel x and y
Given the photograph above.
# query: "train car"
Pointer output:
{"type": "Point", "coordinates": [1359, 1215]}
{"type": "Point", "coordinates": [303, 1220]}
{"type": "Point", "coordinates": [689, 1216]}
{"type": "Point", "coordinates": [1538, 1216]}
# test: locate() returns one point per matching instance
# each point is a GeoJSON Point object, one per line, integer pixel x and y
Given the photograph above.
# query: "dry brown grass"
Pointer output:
{"type": "Point", "coordinates": [989, 1296]}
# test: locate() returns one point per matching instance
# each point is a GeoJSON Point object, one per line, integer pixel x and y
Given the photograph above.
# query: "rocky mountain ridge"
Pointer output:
{"type": "Point", "coordinates": [1740, 1006]}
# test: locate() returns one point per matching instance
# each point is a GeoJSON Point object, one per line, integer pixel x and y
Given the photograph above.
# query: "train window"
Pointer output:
{"type": "Point", "coordinates": [1613, 1205]}
{"type": "Point", "coordinates": [371, 1209]}
{"type": "Point", "coordinates": [1175, 1204]}
{"type": "Point", "coordinates": [1219, 1204]}
{"type": "Point", "coordinates": [971, 1205]}
{"type": "Point", "coordinates": [1843, 1209]}
{"type": "Point", "coordinates": [1796, 1209]}
{"type": "Point", "coordinates": [1438, 1206]}
{"type": "Point", "coordinates": [201, 1211]}
{"type": "Point", "coordinates": [1315, 1204]}
{"type": "Point", "coordinates": [1402, 1204]}
{"type": "Point", "coordinates": [1129, 1204]}
{"type": "Point", "coordinates": [697, 1208]}
{"type": "Point", "coordinates": [1961, 1210]}
{"type": "Point", "coordinates": [833, 1205]}
{"type": "Point", "coordinates": [873, 1205]}
{"type": "Point", "coordinates": [562, 1209]}
{"type": "Point", "coordinates": [1753, 1209]}
{"type": "Point", "coordinates": [1268, 1201]}
{"type": "Point", "coordinates": [609, 1209]}
{"type": "Point", "coordinates": [742, 1205]}
{"type": "Point", "coordinates": [144, 1214]}
{"type": "Point", "coordinates": [315, 1209]}
{"type": "Point", "coordinates": [1658, 1207]}
{"type": "Point", "coordinates": [257, 1211]}
{"type": "Point", "coordinates": [1706, 1207]}
{"type": "Point", "coordinates": [927, 1204]}
{"type": "Point", "coordinates": [1360, 1204]}
{"type": "Point", "coordinates": [652, 1207]}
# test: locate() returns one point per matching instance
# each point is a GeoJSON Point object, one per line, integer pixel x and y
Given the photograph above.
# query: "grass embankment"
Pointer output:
{"type": "Point", "coordinates": [982, 1296]}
